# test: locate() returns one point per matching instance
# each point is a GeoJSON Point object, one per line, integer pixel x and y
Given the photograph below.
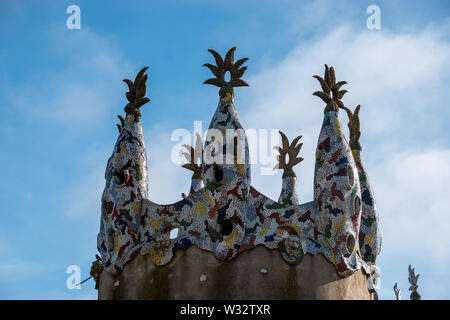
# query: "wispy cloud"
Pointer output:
{"type": "Point", "coordinates": [79, 93]}
{"type": "Point", "coordinates": [412, 187]}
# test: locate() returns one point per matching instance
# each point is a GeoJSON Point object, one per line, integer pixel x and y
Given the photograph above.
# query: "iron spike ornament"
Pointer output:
{"type": "Point", "coordinates": [353, 126]}
{"type": "Point", "coordinates": [136, 93]}
{"type": "Point", "coordinates": [330, 93]}
{"type": "Point", "coordinates": [223, 213]}
{"type": "Point", "coordinates": [194, 156]}
{"type": "Point", "coordinates": [226, 91]}
{"type": "Point", "coordinates": [290, 150]}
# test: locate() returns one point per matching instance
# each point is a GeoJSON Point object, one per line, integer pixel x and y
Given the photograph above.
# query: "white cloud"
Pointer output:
{"type": "Point", "coordinates": [397, 78]}
{"type": "Point", "coordinates": [411, 191]}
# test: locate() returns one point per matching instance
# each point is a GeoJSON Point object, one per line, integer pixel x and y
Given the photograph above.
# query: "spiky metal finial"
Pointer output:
{"type": "Point", "coordinates": [122, 123]}
{"type": "Point", "coordinates": [412, 278]}
{"type": "Point", "coordinates": [398, 292]}
{"type": "Point", "coordinates": [136, 93]}
{"type": "Point", "coordinates": [353, 126]}
{"type": "Point", "coordinates": [330, 89]}
{"type": "Point", "coordinates": [219, 70]}
{"type": "Point", "coordinates": [288, 149]}
{"type": "Point", "coordinates": [193, 156]}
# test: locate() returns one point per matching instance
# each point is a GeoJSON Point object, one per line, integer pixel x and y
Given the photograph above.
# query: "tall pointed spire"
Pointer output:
{"type": "Point", "coordinates": [337, 191]}
{"type": "Point", "coordinates": [126, 182]}
{"type": "Point", "coordinates": [226, 170]}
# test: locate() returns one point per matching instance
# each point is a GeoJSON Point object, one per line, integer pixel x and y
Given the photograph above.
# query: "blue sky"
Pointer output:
{"type": "Point", "coordinates": [61, 89]}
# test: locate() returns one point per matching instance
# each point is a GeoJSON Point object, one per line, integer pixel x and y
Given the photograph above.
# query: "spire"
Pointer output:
{"type": "Point", "coordinates": [337, 191]}
{"type": "Point", "coordinates": [226, 166]}
{"type": "Point", "coordinates": [226, 141]}
{"type": "Point", "coordinates": [369, 233]}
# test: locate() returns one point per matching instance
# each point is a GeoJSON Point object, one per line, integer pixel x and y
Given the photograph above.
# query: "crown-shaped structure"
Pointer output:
{"type": "Point", "coordinates": [223, 213]}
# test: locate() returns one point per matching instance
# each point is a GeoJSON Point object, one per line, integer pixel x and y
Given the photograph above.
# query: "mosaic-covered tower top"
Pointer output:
{"type": "Point", "coordinates": [223, 213]}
